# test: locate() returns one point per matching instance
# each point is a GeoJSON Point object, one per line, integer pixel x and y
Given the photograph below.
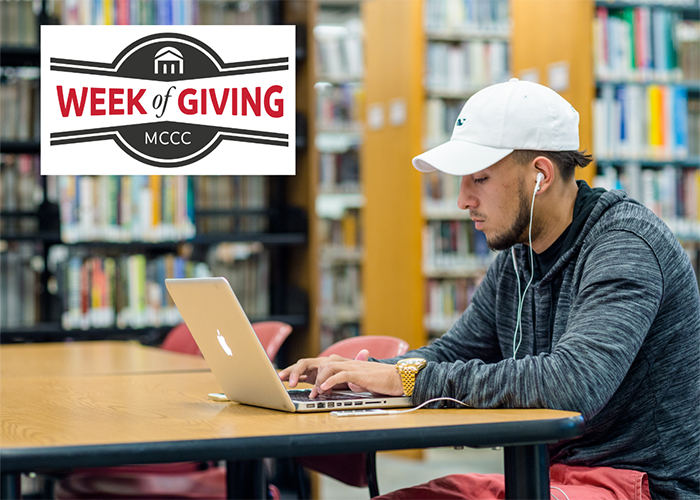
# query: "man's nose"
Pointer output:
{"type": "Point", "coordinates": [466, 200]}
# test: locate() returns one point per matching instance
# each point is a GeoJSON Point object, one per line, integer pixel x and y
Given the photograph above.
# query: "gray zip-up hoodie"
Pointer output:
{"type": "Point", "coordinates": [617, 338]}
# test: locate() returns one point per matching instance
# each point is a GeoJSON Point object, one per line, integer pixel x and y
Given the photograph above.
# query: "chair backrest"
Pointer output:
{"type": "Point", "coordinates": [379, 346]}
{"type": "Point", "coordinates": [179, 339]}
{"type": "Point", "coordinates": [271, 334]}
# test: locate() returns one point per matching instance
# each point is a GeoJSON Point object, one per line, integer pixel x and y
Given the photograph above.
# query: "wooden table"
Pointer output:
{"type": "Point", "coordinates": [92, 358]}
{"type": "Point", "coordinates": [77, 421]}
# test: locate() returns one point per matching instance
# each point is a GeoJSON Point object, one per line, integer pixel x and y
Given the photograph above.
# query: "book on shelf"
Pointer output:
{"type": "Point", "coordinates": [339, 107]}
{"type": "Point", "coordinates": [231, 193]}
{"type": "Point", "coordinates": [331, 334]}
{"type": "Point", "coordinates": [644, 43]}
{"type": "Point", "coordinates": [446, 300]}
{"type": "Point", "coordinates": [642, 122]}
{"type": "Point", "coordinates": [339, 50]}
{"type": "Point", "coordinates": [454, 247]}
{"type": "Point", "coordinates": [246, 266]}
{"type": "Point", "coordinates": [19, 100]}
{"type": "Point", "coordinates": [122, 291]}
{"type": "Point", "coordinates": [125, 208]}
{"type": "Point", "coordinates": [465, 67]}
{"type": "Point", "coordinates": [340, 172]}
{"type": "Point", "coordinates": [340, 295]}
{"type": "Point", "coordinates": [18, 23]}
{"type": "Point", "coordinates": [694, 128]}
{"type": "Point", "coordinates": [343, 232]}
{"type": "Point", "coordinates": [20, 285]}
{"type": "Point", "coordinates": [467, 16]}
{"type": "Point", "coordinates": [20, 191]}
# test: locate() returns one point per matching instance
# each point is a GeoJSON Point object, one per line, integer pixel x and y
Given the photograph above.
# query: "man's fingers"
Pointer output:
{"type": "Point", "coordinates": [363, 355]}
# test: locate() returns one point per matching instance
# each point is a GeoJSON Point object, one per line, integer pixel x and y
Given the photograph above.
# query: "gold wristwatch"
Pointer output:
{"type": "Point", "coordinates": [408, 369]}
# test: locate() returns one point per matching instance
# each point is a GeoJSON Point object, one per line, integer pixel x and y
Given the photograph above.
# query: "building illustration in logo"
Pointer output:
{"type": "Point", "coordinates": [168, 60]}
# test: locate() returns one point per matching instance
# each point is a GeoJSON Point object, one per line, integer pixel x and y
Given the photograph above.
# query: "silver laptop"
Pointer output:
{"type": "Point", "coordinates": [239, 362]}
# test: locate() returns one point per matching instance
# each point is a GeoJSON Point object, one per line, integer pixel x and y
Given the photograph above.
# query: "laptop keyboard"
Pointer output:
{"type": "Point", "coordinates": [301, 395]}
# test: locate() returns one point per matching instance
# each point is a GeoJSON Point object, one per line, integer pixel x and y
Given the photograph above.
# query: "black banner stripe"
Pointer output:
{"type": "Point", "coordinates": [224, 130]}
{"type": "Point", "coordinates": [87, 71]}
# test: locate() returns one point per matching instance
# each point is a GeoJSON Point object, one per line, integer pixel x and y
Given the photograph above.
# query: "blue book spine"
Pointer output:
{"type": "Point", "coordinates": [680, 117]}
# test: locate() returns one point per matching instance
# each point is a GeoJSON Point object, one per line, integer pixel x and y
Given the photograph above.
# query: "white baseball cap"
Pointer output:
{"type": "Point", "coordinates": [499, 119]}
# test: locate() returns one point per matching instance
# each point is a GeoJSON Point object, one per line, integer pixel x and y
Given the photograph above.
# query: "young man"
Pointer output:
{"type": "Point", "coordinates": [591, 306]}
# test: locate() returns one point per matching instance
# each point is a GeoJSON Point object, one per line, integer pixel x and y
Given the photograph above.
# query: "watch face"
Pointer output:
{"type": "Point", "coordinates": [412, 362]}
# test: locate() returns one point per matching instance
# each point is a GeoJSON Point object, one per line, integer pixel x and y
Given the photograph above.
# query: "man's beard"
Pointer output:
{"type": "Point", "coordinates": [517, 233]}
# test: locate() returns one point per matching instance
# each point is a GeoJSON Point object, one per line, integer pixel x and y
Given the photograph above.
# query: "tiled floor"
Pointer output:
{"type": "Point", "coordinates": [395, 472]}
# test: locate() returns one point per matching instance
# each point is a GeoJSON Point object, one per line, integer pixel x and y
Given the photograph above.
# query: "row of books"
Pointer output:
{"type": "Point", "coordinates": [248, 12]}
{"type": "Point", "coordinates": [345, 233]}
{"type": "Point", "coordinates": [643, 43]}
{"type": "Point", "coordinates": [122, 12]}
{"type": "Point", "coordinates": [467, 16]}
{"type": "Point", "coordinates": [230, 194]}
{"type": "Point", "coordinates": [446, 300]}
{"type": "Point", "coordinates": [339, 107]}
{"type": "Point", "coordinates": [440, 118]}
{"type": "Point", "coordinates": [19, 285]}
{"type": "Point", "coordinates": [20, 191]}
{"type": "Point", "coordinates": [463, 68]}
{"type": "Point", "coordinates": [453, 246]}
{"type": "Point", "coordinates": [329, 335]}
{"type": "Point", "coordinates": [642, 121]}
{"type": "Point", "coordinates": [340, 295]}
{"type": "Point", "coordinates": [19, 24]}
{"type": "Point", "coordinates": [19, 101]}
{"type": "Point", "coordinates": [440, 192]}
{"type": "Point", "coordinates": [340, 172]}
{"type": "Point", "coordinates": [246, 266]}
{"type": "Point", "coordinates": [126, 208]}
{"type": "Point", "coordinates": [671, 193]}
{"type": "Point", "coordinates": [122, 291]}
{"type": "Point", "coordinates": [339, 54]}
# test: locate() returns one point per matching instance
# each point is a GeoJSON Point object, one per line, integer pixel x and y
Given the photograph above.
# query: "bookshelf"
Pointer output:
{"type": "Point", "coordinates": [339, 99]}
{"type": "Point", "coordinates": [633, 77]}
{"type": "Point", "coordinates": [91, 253]}
{"type": "Point", "coordinates": [404, 209]}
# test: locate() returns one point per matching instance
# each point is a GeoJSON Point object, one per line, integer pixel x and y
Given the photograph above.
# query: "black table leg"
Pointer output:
{"type": "Point", "coordinates": [10, 487]}
{"type": "Point", "coordinates": [246, 479]}
{"type": "Point", "coordinates": [526, 472]}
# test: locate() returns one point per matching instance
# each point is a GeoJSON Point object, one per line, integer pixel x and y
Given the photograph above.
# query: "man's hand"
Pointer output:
{"type": "Point", "coordinates": [336, 372]}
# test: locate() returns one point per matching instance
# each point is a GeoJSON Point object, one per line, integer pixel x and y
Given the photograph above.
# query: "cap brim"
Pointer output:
{"type": "Point", "coordinates": [459, 158]}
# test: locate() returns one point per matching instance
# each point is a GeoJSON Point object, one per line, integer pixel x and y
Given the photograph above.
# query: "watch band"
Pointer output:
{"type": "Point", "coordinates": [408, 369]}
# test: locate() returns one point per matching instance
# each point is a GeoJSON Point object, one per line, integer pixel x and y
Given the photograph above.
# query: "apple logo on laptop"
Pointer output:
{"type": "Point", "coordinates": [223, 343]}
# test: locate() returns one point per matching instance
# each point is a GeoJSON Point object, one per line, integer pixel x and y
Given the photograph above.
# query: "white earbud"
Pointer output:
{"type": "Point", "coordinates": [540, 178]}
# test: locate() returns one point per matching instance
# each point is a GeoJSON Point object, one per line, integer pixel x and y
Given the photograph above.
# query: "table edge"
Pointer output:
{"type": "Point", "coordinates": [280, 446]}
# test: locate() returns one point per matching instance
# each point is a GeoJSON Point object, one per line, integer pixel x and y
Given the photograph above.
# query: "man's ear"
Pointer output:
{"type": "Point", "coordinates": [544, 166]}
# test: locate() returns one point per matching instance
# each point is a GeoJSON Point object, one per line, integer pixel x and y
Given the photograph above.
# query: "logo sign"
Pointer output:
{"type": "Point", "coordinates": [164, 100]}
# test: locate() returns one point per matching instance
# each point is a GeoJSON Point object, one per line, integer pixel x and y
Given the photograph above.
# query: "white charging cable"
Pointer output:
{"type": "Point", "coordinates": [379, 411]}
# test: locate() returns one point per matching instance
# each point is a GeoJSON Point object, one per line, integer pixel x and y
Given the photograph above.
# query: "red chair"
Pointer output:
{"type": "Point", "coordinates": [356, 469]}
{"type": "Point", "coordinates": [195, 480]}
{"type": "Point", "coordinates": [272, 335]}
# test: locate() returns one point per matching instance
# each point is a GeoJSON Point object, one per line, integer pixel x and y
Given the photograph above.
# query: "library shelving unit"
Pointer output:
{"type": "Point", "coordinates": [71, 275]}
{"type": "Point", "coordinates": [338, 92]}
{"type": "Point", "coordinates": [633, 75]}
{"type": "Point", "coordinates": [430, 47]}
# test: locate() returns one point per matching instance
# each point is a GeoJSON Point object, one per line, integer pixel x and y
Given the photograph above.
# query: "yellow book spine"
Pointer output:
{"type": "Point", "coordinates": [655, 119]}
{"type": "Point", "coordinates": [697, 194]}
{"type": "Point", "coordinates": [157, 198]}
{"type": "Point", "coordinates": [349, 224]}
{"type": "Point", "coordinates": [109, 12]}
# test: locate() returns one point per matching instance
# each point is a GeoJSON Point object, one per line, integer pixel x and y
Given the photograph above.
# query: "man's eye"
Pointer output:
{"type": "Point", "coordinates": [480, 180]}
